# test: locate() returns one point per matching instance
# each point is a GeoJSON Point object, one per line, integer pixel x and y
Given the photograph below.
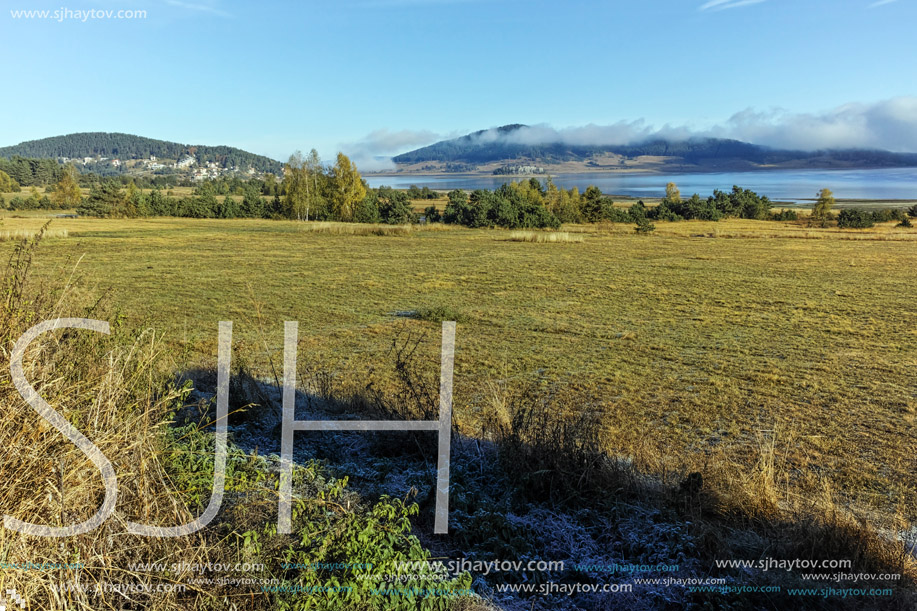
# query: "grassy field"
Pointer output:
{"type": "Point", "coordinates": [703, 341]}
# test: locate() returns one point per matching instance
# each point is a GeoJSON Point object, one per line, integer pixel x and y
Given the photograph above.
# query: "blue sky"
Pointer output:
{"type": "Point", "coordinates": [382, 76]}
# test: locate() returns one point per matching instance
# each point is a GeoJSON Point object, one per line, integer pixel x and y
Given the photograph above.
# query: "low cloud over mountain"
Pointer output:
{"type": "Point", "coordinates": [889, 125]}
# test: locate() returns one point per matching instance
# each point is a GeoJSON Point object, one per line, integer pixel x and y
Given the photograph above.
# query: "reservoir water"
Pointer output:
{"type": "Point", "coordinates": [780, 185]}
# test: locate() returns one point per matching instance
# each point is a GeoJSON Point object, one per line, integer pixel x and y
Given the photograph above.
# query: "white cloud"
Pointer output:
{"type": "Point", "coordinates": [881, 3]}
{"type": "Point", "coordinates": [375, 150]}
{"type": "Point", "coordinates": [889, 124]}
{"type": "Point", "coordinates": [721, 5]}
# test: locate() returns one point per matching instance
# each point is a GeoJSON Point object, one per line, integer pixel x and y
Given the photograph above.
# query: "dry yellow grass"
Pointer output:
{"type": "Point", "coordinates": [25, 234]}
{"type": "Point", "coordinates": [109, 390]}
{"type": "Point", "coordinates": [541, 237]}
{"type": "Point", "coordinates": [700, 340]}
{"type": "Point", "coordinates": [333, 228]}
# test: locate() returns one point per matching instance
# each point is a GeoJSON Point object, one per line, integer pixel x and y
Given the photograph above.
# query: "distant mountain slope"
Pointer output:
{"type": "Point", "coordinates": [127, 146]}
{"type": "Point", "coordinates": [507, 144]}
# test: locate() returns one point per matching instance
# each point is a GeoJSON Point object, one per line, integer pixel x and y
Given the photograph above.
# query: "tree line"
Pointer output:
{"type": "Point", "coordinates": [537, 204]}
{"type": "Point", "coordinates": [312, 190]}
{"type": "Point", "coordinates": [308, 190]}
{"type": "Point", "coordinates": [27, 172]}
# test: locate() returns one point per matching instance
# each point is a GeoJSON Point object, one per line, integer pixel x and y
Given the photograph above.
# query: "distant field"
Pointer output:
{"type": "Point", "coordinates": [872, 204]}
{"type": "Point", "coordinates": [701, 339]}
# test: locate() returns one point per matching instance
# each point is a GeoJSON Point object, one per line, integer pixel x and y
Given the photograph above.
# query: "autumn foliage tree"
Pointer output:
{"type": "Point", "coordinates": [7, 184]}
{"type": "Point", "coordinates": [345, 188]}
{"type": "Point", "coordinates": [822, 210]}
{"type": "Point", "coordinates": [672, 194]}
{"type": "Point", "coordinates": [295, 187]}
{"type": "Point", "coordinates": [67, 191]}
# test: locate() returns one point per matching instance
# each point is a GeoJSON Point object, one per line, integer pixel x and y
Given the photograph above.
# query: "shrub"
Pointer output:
{"type": "Point", "coordinates": [854, 218]}
{"type": "Point", "coordinates": [785, 215]}
{"type": "Point", "coordinates": [515, 208]}
{"type": "Point", "coordinates": [395, 207]}
{"type": "Point", "coordinates": [905, 222]}
{"type": "Point", "coordinates": [700, 209]}
{"type": "Point", "coordinates": [912, 211]}
{"type": "Point", "coordinates": [367, 209]}
{"type": "Point", "coordinates": [432, 215]}
{"type": "Point", "coordinates": [665, 211]}
{"type": "Point", "coordinates": [743, 203]}
{"type": "Point", "coordinates": [551, 452]}
{"type": "Point", "coordinates": [637, 211]}
{"type": "Point", "coordinates": [644, 226]}
{"type": "Point", "coordinates": [887, 215]}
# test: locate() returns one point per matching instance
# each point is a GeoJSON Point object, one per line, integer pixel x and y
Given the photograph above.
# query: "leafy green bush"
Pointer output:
{"type": "Point", "coordinates": [332, 527]}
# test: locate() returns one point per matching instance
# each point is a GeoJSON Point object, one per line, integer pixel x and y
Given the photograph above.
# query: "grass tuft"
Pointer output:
{"type": "Point", "coordinates": [28, 234]}
{"type": "Point", "coordinates": [438, 313]}
{"type": "Point", "coordinates": [356, 229]}
{"type": "Point", "coordinates": [543, 237]}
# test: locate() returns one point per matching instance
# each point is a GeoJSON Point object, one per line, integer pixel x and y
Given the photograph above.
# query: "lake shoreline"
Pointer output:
{"type": "Point", "coordinates": [895, 185]}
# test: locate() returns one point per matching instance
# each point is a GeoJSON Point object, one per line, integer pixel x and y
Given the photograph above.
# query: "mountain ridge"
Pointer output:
{"type": "Point", "coordinates": [125, 146]}
{"type": "Point", "coordinates": [485, 148]}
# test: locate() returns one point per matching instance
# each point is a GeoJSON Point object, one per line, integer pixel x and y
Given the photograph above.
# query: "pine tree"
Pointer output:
{"type": "Point", "coordinates": [644, 225]}
{"type": "Point", "coordinates": [105, 199]}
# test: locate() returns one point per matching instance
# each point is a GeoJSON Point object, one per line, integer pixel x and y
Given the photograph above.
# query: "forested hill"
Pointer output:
{"type": "Point", "coordinates": [509, 144]}
{"type": "Point", "coordinates": [127, 146]}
